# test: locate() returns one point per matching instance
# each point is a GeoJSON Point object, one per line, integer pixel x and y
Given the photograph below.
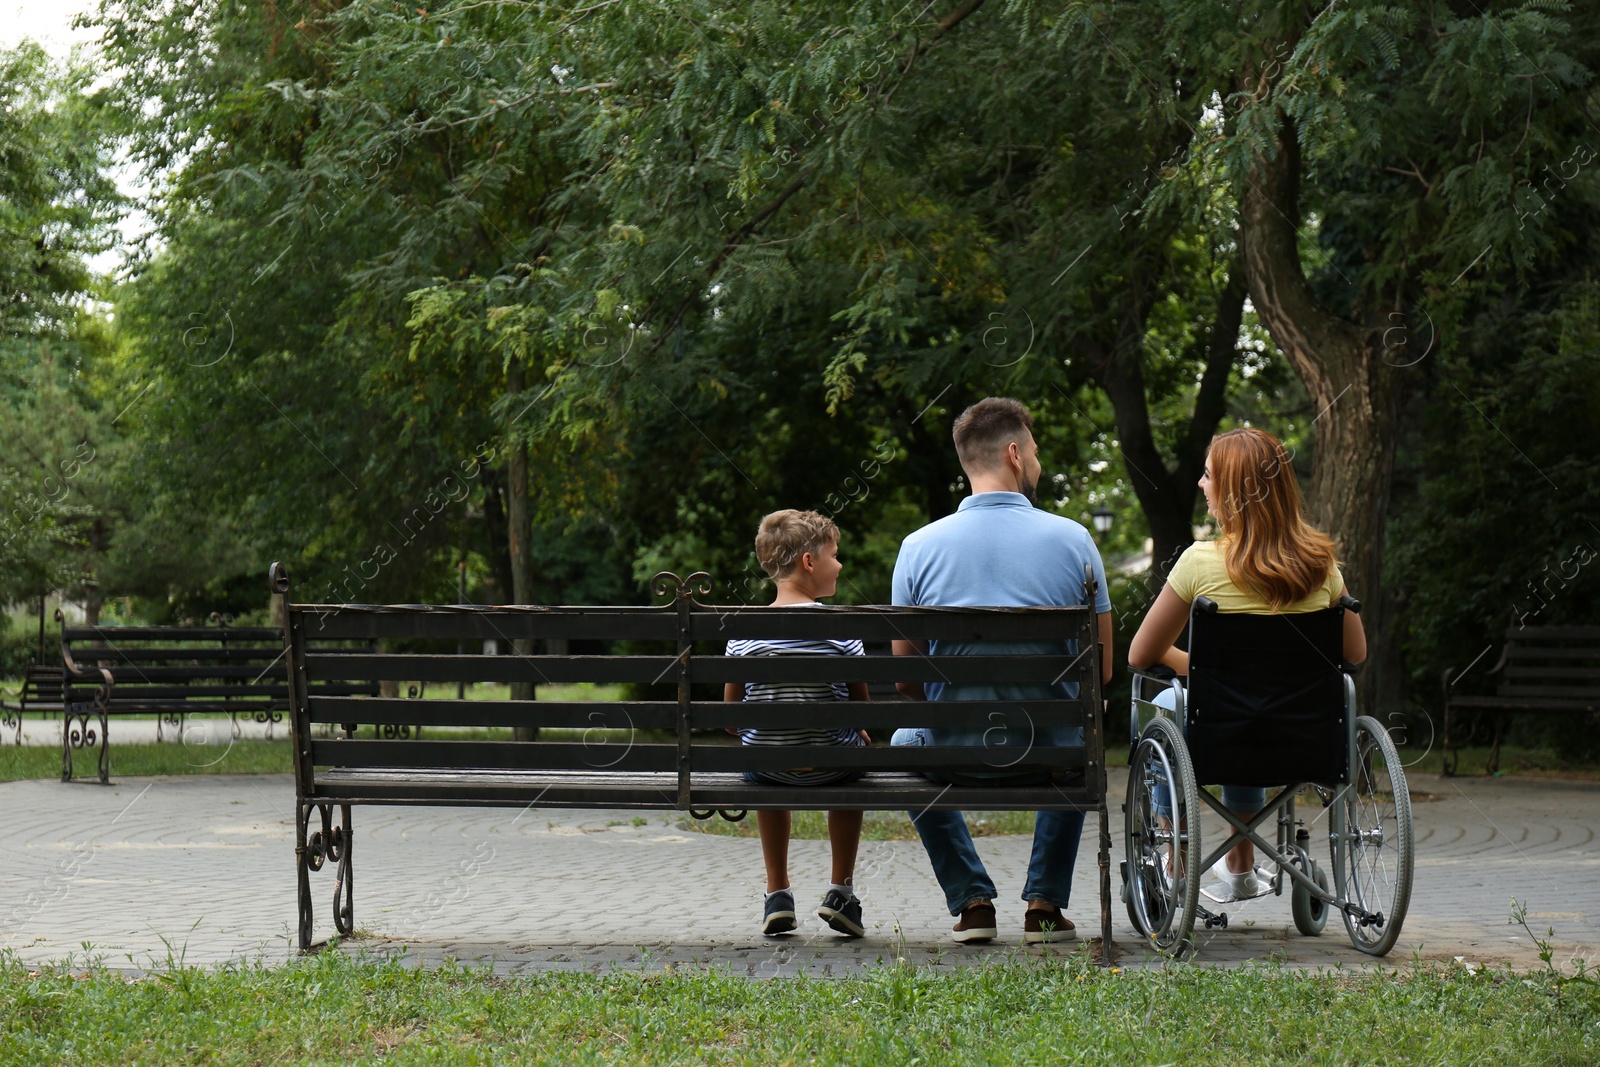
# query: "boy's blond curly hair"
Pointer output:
{"type": "Point", "coordinates": [784, 536]}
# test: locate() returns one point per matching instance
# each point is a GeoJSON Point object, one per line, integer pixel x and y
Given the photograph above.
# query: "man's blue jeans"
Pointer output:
{"type": "Point", "coordinates": [955, 860]}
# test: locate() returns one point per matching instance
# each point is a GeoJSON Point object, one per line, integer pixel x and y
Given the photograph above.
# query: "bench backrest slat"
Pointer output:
{"type": "Point", "coordinates": [492, 755]}
{"type": "Point", "coordinates": [165, 669]}
{"type": "Point", "coordinates": [877, 624]}
{"type": "Point", "coordinates": [1551, 663]}
{"type": "Point", "coordinates": [474, 623]}
{"type": "Point", "coordinates": [1528, 635]}
{"type": "Point", "coordinates": [682, 645]}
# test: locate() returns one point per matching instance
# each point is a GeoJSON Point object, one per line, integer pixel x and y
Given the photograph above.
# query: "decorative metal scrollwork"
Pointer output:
{"type": "Point", "coordinates": [81, 735]}
{"type": "Point", "coordinates": [698, 584]}
{"type": "Point", "coordinates": [173, 718]}
{"type": "Point", "coordinates": [11, 720]}
{"type": "Point", "coordinates": [78, 731]}
{"type": "Point", "coordinates": [267, 717]}
{"type": "Point", "coordinates": [313, 849]}
{"type": "Point", "coordinates": [403, 732]}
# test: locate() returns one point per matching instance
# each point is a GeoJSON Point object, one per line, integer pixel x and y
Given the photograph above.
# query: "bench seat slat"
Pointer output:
{"type": "Point", "coordinates": [626, 756]}
{"type": "Point", "coordinates": [1574, 693]}
{"type": "Point", "coordinates": [998, 715]}
{"type": "Point", "coordinates": [917, 757]}
{"type": "Point", "coordinates": [1531, 703]}
{"type": "Point", "coordinates": [878, 791]}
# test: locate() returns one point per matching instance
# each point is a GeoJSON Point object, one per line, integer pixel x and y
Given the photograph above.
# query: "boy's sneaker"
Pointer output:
{"type": "Point", "coordinates": [778, 914]}
{"type": "Point", "coordinates": [1042, 926]}
{"type": "Point", "coordinates": [977, 924]}
{"type": "Point", "coordinates": [842, 914]}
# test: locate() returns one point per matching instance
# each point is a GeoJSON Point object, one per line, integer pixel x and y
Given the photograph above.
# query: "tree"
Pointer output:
{"type": "Point", "coordinates": [1357, 113]}
{"type": "Point", "coordinates": [59, 203]}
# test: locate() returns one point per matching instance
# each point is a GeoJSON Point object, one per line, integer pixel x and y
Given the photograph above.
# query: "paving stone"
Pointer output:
{"type": "Point", "coordinates": [200, 869]}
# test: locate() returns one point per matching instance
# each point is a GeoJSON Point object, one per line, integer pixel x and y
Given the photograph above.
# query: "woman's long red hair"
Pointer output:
{"type": "Point", "coordinates": [1268, 547]}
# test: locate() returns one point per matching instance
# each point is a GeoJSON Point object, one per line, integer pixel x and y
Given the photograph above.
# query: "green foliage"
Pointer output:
{"type": "Point", "coordinates": [19, 642]}
{"type": "Point", "coordinates": [705, 261]}
{"type": "Point", "coordinates": [57, 201]}
{"type": "Point", "coordinates": [57, 444]}
{"type": "Point", "coordinates": [1501, 532]}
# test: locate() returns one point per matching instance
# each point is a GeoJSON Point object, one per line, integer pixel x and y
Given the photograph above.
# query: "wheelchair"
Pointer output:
{"type": "Point", "coordinates": [1268, 702]}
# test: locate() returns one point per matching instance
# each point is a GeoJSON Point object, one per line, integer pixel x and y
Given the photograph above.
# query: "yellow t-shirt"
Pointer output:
{"type": "Point", "coordinates": [1200, 571]}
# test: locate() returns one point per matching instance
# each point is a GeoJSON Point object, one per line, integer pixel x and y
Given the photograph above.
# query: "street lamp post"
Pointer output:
{"type": "Point", "coordinates": [1102, 517]}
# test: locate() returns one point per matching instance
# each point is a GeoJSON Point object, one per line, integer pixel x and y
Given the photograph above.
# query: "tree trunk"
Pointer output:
{"type": "Point", "coordinates": [1355, 391]}
{"type": "Point", "coordinates": [497, 545]}
{"type": "Point", "coordinates": [1167, 490]}
{"type": "Point", "coordinates": [933, 458]}
{"type": "Point", "coordinates": [519, 540]}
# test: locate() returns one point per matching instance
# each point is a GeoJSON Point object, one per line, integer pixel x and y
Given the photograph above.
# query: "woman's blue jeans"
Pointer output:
{"type": "Point", "coordinates": [955, 860]}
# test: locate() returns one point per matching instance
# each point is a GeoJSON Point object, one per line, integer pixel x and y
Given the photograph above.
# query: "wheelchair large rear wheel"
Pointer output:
{"type": "Point", "coordinates": [1372, 850]}
{"type": "Point", "coordinates": [1162, 821]}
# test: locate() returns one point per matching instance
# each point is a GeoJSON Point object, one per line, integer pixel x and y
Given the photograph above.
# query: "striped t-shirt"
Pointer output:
{"type": "Point", "coordinates": [784, 692]}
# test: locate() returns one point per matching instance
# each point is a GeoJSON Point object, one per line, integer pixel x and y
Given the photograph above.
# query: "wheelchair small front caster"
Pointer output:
{"type": "Point", "coordinates": [1310, 913]}
{"type": "Point", "coordinates": [1218, 921]}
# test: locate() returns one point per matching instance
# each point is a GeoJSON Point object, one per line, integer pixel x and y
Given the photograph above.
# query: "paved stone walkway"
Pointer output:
{"type": "Point", "coordinates": [200, 869]}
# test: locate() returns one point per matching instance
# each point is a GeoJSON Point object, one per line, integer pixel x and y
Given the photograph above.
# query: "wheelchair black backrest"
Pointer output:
{"type": "Point", "coordinates": [1266, 697]}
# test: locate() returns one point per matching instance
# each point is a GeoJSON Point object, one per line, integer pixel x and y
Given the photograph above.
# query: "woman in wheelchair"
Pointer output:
{"type": "Point", "coordinates": [1266, 559]}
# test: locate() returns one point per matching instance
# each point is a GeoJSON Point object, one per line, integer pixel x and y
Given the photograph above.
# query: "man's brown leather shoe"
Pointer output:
{"type": "Point", "coordinates": [1045, 926]}
{"type": "Point", "coordinates": [977, 924]}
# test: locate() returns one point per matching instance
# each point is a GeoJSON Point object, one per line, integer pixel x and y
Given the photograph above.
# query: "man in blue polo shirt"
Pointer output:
{"type": "Point", "coordinates": [998, 550]}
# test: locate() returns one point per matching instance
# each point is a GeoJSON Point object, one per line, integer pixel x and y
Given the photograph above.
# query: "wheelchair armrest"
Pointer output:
{"type": "Point", "coordinates": [1350, 603]}
{"type": "Point", "coordinates": [1164, 678]}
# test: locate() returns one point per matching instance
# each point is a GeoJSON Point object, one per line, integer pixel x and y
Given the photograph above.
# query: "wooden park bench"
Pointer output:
{"type": "Point", "coordinates": [169, 672]}
{"type": "Point", "coordinates": [41, 693]}
{"type": "Point", "coordinates": [668, 749]}
{"type": "Point", "coordinates": [1542, 669]}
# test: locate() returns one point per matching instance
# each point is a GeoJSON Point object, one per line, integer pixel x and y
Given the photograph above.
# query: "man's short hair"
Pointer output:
{"type": "Point", "coordinates": [983, 431]}
{"type": "Point", "coordinates": [785, 536]}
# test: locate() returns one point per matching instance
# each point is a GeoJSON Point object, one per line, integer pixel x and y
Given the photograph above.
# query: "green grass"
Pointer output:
{"type": "Point", "coordinates": [1534, 762]}
{"type": "Point", "coordinates": [127, 761]}
{"type": "Point", "coordinates": [331, 1009]}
